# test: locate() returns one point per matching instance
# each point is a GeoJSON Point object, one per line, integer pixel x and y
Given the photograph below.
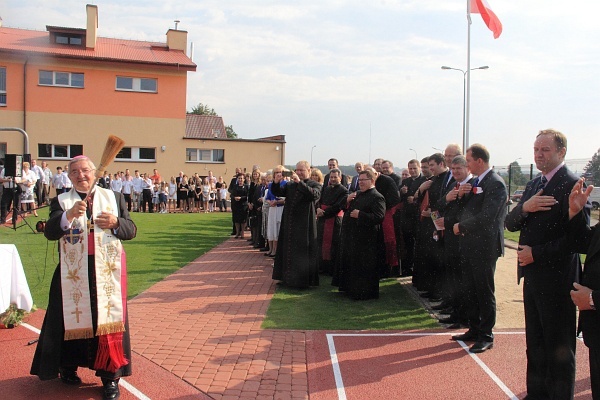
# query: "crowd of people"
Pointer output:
{"type": "Point", "coordinates": [142, 192]}
{"type": "Point", "coordinates": [440, 222]}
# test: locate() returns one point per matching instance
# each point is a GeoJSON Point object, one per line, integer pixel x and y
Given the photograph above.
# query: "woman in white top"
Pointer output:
{"type": "Point", "coordinates": [206, 189]}
{"type": "Point", "coordinates": [172, 198]}
{"type": "Point", "coordinates": [28, 181]}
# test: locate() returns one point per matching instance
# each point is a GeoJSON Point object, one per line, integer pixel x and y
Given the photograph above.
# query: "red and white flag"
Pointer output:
{"type": "Point", "coordinates": [491, 20]}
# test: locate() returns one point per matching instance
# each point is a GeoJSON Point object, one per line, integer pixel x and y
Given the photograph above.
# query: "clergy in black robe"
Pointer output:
{"type": "Point", "coordinates": [329, 221]}
{"type": "Point", "coordinates": [358, 267]}
{"type": "Point", "coordinates": [388, 255]}
{"type": "Point", "coordinates": [296, 257]}
{"type": "Point", "coordinates": [54, 354]}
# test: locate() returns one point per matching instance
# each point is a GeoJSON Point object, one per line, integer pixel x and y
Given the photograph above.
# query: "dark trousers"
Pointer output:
{"type": "Point", "coordinates": [550, 326]}
{"type": "Point", "coordinates": [39, 192]}
{"type": "Point", "coordinates": [480, 298]}
{"type": "Point", "coordinates": [128, 200]}
{"type": "Point", "coordinates": [147, 199]}
{"type": "Point", "coordinates": [408, 255]}
{"type": "Point", "coordinates": [595, 372]}
{"type": "Point", "coordinates": [6, 202]}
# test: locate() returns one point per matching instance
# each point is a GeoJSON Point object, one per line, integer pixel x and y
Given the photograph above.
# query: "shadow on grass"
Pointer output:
{"type": "Point", "coordinates": [324, 308]}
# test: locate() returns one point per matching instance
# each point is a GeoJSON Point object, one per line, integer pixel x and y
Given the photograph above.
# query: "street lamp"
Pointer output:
{"type": "Point", "coordinates": [311, 154]}
{"type": "Point", "coordinates": [416, 156]}
{"type": "Point", "coordinates": [464, 72]}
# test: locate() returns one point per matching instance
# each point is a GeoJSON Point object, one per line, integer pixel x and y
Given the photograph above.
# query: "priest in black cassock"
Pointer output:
{"type": "Point", "coordinates": [296, 259]}
{"type": "Point", "coordinates": [86, 323]}
{"type": "Point", "coordinates": [329, 220]}
{"type": "Point", "coordinates": [358, 274]}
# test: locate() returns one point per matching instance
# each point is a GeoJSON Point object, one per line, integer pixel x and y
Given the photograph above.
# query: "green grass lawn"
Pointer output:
{"type": "Point", "coordinates": [324, 308]}
{"type": "Point", "coordinates": [164, 243]}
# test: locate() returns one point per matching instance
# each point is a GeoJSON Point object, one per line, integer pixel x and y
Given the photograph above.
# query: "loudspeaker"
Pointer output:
{"type": "Point", "coordinates": [13, 165]}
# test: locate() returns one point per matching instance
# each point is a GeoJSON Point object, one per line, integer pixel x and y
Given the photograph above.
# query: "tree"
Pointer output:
{"type": "Point", "coordinates": [516, 174]}
{"type": "Point", "coordinates": [230, 132]}
{"type": "Point", "coordinates": [203, 109]}
{"type": "Point", "coordinates": [592, 169]}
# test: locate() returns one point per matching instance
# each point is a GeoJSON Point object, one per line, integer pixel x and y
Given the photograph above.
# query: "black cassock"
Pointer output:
{"type": "Point", "coordinates": [52, 350]}
{"type": "Point", "coordinates": [357, 271]}
{"type": "Point", "coordinates": [333, 200]}
{"type": "Point", "coordinates": [296, 258]}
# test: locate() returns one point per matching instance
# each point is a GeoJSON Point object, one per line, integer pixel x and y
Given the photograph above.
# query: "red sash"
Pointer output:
{"type": "Point", "coordinates": [424, 205]}
{"type": "Point", "coordinates": [389, 237]}
{"type": "Point", "coordinates": [328, 234]}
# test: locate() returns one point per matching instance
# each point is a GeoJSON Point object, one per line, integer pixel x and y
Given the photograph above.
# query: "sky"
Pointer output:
{"type": "Point", "coordinates": [357, 80]}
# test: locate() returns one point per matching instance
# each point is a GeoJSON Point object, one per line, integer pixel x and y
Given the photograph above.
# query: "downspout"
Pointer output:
{"type": "Point", "coordinates": [25, 94]}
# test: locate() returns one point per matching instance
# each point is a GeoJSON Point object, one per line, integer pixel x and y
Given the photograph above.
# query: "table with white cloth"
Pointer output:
{"type": "Point", "coordinates": [13, 284]}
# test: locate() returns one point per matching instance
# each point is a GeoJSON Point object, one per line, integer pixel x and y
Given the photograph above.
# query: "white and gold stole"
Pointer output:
{"type": "Point", "coordinates": [77, 308]}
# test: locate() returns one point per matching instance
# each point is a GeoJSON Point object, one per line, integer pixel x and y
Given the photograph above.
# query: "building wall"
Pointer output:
{"type": "Point", "coordinates": [65, 116]}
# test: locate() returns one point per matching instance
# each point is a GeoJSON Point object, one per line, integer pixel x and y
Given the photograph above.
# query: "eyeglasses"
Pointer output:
{"type": "Point", "coordinates": [76, 172]}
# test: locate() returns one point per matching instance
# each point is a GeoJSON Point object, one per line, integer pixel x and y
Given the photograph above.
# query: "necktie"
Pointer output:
{"type": "Point", "coordinates": [475, 182]}
{"type": "Point", "coordinates": [542, 184]}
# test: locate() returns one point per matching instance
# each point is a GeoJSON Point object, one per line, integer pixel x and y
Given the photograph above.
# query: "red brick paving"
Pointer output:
{"type": "Point", "coordinates": [203, 325]}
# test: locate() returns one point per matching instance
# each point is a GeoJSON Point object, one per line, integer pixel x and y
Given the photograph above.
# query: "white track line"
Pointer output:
{"type": "Point", "coordinates": [488, 371]}
{"type": "Point", "coordinates": [126, 385]}
{"type": "Point", "coordinates": [337, 373]}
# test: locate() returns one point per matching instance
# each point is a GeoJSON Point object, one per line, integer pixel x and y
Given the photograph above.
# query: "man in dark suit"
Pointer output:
{"type": "Point", "coordinates": [481, 242]}
{"type": "Point", "coordinates": [354, 184]}
{"type": "Point", "coordinates": [548, 271]}
{"type": "Point", "coordinates": [450, 207]}
{"type": "Point", "coordinates": [410, 214]}
{"type": "Point", "coordinates": [586, 295]}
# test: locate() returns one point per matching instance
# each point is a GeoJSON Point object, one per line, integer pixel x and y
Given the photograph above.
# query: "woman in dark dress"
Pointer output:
{"type": "Point", "coordinates": [239, 205]}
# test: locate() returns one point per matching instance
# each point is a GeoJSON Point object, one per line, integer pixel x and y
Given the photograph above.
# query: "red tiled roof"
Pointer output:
{"type": "Point", "coordinates": [204, 127]}
{"type": "Point", "coordinates": [107, 49]}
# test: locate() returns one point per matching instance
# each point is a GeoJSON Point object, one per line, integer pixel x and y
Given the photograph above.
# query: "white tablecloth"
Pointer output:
{"type": "Point", "coordinates": [13, 284]}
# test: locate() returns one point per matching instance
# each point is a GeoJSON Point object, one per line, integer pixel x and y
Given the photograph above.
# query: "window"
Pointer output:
{"type": "Point", "coordinates": [205, 155]}
{"type": "Point", "coordinates": [66, 39]}
{"type": "Point", "coordinates": [64, 79]}
{"type": "Point", "coordinates": [59, 151]}
{"type": "Point", "coordinates": [149, 85]}
{"type": "Point", "coordinates": [137, 154]}
{"type": "Point", "coordinates": [2, 86]}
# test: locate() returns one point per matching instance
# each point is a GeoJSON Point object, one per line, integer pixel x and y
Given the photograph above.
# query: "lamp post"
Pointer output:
{"type": "Point", "coordinates": [416, 156]}
{"type": "Point", "coordinates": [311, 154]}
{"type": "Point", "coordinates": [465, 142]}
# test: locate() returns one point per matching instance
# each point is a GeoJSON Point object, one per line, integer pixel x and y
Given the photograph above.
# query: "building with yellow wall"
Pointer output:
{"type": "Point", "coordinates": [69, 89]}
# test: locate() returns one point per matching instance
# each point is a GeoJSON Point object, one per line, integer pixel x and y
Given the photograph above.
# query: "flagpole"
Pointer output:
{"type": "Point", "coordinates": [468, 86]}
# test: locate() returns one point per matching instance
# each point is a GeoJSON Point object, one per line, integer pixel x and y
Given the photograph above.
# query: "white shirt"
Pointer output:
{"type": "Point", "coordinates": [137, 184]}
{"type": "Point", "coordinates": [47, 176]}
{"type": "Point", "coordinates": [116, 185]}
{"type": "Point", "coordinates": [127, 186]}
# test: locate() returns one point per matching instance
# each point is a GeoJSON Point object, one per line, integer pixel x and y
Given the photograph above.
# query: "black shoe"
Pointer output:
{"type": "Point", "coordinates": [256, 246]}
{"type": "Point", "coordinates": [448, 320]}
{"type": "Point", "coordinates": [480, 347]}
{"type": "Point", "coordinates": [442, 306]}
{"type": "Point", "coordinates": [69, 376]}
{"type": "Point", "coordinates": [465, 337]}
{"type": "Point", "coordinates": [264, 249]}
{"type": "Point", "coordinates": [111, 389]}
